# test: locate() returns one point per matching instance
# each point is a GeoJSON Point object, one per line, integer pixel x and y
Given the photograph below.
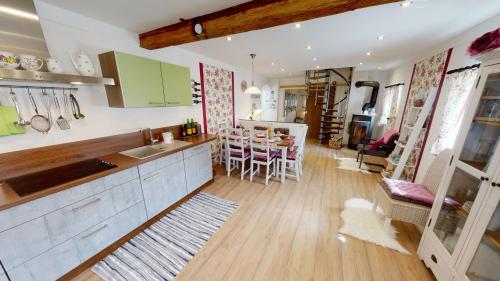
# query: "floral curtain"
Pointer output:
{"type": "Point", "coordinates": [218, 97]}
{"type": "Point", "coordinates": [390, 107]}
{"type": "Point", "coordinates": [427, 73]}
{"type": "Point", "coordinates": [459, 94]}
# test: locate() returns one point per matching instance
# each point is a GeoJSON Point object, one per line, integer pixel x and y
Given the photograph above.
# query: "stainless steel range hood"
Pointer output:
{"type": "Point", "coordinates": [21, 33]}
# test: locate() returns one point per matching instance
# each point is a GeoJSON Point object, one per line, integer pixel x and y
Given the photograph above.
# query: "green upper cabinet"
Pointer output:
{"type": "Point", "coordinates": [176, 84]}
{"type": "Point", "coordinates": [142, 82]}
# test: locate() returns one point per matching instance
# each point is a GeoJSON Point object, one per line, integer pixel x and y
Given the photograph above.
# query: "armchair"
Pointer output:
{"type": "Point", "coordinates": [381, 147]}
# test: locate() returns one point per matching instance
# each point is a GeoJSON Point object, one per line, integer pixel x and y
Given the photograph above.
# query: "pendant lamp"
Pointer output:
{"type": "Point", "coordinates": [252, 90]}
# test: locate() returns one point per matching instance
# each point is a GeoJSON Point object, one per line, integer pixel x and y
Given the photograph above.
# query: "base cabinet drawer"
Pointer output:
{"type": "Point", "coordinates": [71, 220]}
{"type": "Point", "coordinates": [95, 239]}
{"type": "Point", "coordinates": [163, 188]}
{"type": "Point", "coordinates": [23, 242]}
{"type": "Point", "coordinates": [48, 266]}
{"type": "Point", "coordinates": [198, 169]}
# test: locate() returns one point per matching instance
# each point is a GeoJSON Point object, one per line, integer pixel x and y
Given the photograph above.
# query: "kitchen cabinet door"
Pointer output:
{"type": "Point", "coordinates": [163, 187]}
{"type": "Point", "coordinates": [140, 81]}
{"type": "Point", "coordinates": [198, 168]}
{"type": "Point", "coordinates": [176, 85]}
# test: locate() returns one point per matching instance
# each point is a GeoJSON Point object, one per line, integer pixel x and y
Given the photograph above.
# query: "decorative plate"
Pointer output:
{"type": "Point", "coordinates": [244, 85]}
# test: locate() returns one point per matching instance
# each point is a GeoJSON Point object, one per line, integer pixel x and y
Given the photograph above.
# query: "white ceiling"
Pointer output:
{"type": "Point", "coordinates": [336, 41]}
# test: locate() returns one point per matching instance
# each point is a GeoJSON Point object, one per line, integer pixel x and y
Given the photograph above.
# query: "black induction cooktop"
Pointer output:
{"type": "Point", "coordinates": [31, 183]}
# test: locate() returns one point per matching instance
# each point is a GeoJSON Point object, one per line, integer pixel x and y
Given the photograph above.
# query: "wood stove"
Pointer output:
{"type": "Point", "coordinates": [361, 128]}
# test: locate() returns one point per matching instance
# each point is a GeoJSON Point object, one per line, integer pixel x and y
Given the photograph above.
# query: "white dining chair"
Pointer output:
{"type": "Point", "coordinates": [221, 145]}
{"type": "Point", "coordinates": [237, 151]}
{"type": "Point", "coordinates": [261, 154]}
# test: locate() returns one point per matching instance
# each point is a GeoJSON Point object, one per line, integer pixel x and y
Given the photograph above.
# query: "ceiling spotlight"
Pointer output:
{"type": "Point", "coordinates": [379, 68]}
{"type": "Point", "coordinates": [368, 53]}
{"type": "Point", "coordinates": [360, 63]}
{"type": "Point", "coordinates": [308, 47]}
{"type": "Point", "coordinates": [229, 38]}
{"type": "Point", "coordinates": [380, 37]}
{"type": "Point", "coordinates": [317, 66]}
{"type": "Point", "coordinates": [283, 69]}
{"type": "Point", "coordinates": [297, 25]}
{"type": "Point", "coordinates": [405, 4]}
{"type": "Point", "coordinates": [315, 59]}
{"type": "Point", "coordinates": [272, 63]}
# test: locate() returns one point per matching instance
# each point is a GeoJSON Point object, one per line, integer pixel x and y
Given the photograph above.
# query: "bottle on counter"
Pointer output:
{"type": "Point", "coordinates": [183, 131]}
{"type": "Point", "coordinates": [188, 128]}
{"type": "Point", "coordinates": [194, 130]}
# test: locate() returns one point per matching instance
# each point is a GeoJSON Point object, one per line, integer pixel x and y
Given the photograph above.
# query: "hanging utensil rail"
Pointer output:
{"type": "Point", "coordinates": [38, 87]}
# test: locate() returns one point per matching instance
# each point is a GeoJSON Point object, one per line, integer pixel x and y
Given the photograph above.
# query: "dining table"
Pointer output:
{"type": "Point", "coordinates": [285, 143]}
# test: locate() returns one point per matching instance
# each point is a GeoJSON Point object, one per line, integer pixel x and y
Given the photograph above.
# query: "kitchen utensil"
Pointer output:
{"type": "Point", "coordinates": [66, 106]}
{"type": "Point", "coordinates": [54, 65]}
{"type": "Point", "coordinates": [78, 114]}
{"type": "Point", "coordinates": [47, 103]}
{"type": "Point", "coordinates": [30, 62]}
{"type": "Point", "coordinates": [11, 117]}
{"type": "Point", "coordinates": [20, 121]}
{"type": "Point", "coordinates": [63, 123]}
{"type": "Point", "coordinates": [38, 122]}
{"type": "Point", "coordinates": [4, 130]}
{"type": "Point", "coordinates": [83, 63]}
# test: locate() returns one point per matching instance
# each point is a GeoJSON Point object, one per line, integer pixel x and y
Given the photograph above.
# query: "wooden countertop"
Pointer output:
{"type": "Point", "coordinates": [9, 198]}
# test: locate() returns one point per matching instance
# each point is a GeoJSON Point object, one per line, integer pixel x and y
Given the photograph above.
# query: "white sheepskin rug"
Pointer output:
{"type": "Point", "coordinates": [351, 165]}
{"type": "Point", "coordinates": [362, 223]}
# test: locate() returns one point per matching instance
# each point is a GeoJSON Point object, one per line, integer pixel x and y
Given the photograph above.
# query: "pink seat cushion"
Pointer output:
{"type": "Point", "coordinates": [408, 191]}
{"type": "Point", "coordinates": [291, 155]}
{"type": "Point", "coordinates": [238, 154]}
{"type": "Point", "coordinates": [264, 158]}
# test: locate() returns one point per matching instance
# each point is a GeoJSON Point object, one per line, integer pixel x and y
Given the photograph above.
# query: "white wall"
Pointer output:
{"type": "Point", "coordinates": [65, 32]}
{"type": "Point", "coordinates": [458, 59]}
{"type": "Point", "coordinates": [359, 96]}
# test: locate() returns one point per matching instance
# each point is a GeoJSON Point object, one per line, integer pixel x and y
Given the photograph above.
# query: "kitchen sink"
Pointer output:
{"type": "Point", "coordinates": [147, 151]}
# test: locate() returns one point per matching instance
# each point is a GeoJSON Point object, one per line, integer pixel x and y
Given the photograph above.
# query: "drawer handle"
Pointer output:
{"type": "Point", "coordinates": [86, 204]}
{"type": "Point", "coordinates": [433, 258]}
{"type": "Point", "coordinates": [173, 102]}
{"type": "Point", "coordinates": [94, 232]}
{"type": "Point", "coordinates": [150, 178]}
{"type": "Point", "coordinates": [155, 102]}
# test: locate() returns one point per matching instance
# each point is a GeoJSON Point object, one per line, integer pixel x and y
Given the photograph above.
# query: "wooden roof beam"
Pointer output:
{"type": "Point", "coordinates": [252, 15]}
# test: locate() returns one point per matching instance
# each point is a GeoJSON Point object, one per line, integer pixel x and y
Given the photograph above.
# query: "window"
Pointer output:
{"type": "Point", "coordinates": [390, 106]}
{"type": "Point", "coordinates": [459, 94]}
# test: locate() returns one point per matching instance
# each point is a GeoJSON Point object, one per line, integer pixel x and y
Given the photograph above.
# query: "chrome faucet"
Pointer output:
{"type": "Point", "coordinates": [151, 139]}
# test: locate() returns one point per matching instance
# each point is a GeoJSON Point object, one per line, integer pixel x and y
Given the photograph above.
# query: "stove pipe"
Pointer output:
{"type": "Point", "coordinates": [373, 99]}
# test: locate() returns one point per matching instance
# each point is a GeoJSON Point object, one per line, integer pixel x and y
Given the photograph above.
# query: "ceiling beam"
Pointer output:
{"type": "Point", "coordinates": [252, 15]}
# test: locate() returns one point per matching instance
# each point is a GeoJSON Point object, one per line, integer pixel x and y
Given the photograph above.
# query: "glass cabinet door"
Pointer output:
{"type": "Point", "coordinates": [481, 140]}
{"type": "Point", "coordinates": [486, 260]}
{"type": "Point", "coordinates": [460, 196]}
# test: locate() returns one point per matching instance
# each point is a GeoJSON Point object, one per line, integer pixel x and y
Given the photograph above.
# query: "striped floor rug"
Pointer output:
{"type": "Point", "coordinates": [163, 250]}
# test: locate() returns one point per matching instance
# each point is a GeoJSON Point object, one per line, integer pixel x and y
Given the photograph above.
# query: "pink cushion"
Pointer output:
{"type": "Point", "coordinates": [376, 144]}
{"type": "Point", "coordinates": [264, 158]}
{"type": "Point", "coordinates": [408, 191]}
{"type": "Point", "coordinates": [291, 155]}
{"type": "Point", "coordinates": [238, 154]}
{"type": "Point", "coordinates": [388, 135]}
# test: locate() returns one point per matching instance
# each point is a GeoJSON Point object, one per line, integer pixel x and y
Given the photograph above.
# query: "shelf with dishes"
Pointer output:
{"type": "Point", "coordinates": [30, 68]}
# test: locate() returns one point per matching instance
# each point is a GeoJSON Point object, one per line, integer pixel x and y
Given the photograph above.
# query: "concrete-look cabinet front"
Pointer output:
{"type": "Point", "coordinates": [45, 238]}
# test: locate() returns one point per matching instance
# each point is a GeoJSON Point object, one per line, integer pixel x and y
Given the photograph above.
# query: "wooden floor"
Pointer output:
{"type": "Point", "coordinates": [289, 231]}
